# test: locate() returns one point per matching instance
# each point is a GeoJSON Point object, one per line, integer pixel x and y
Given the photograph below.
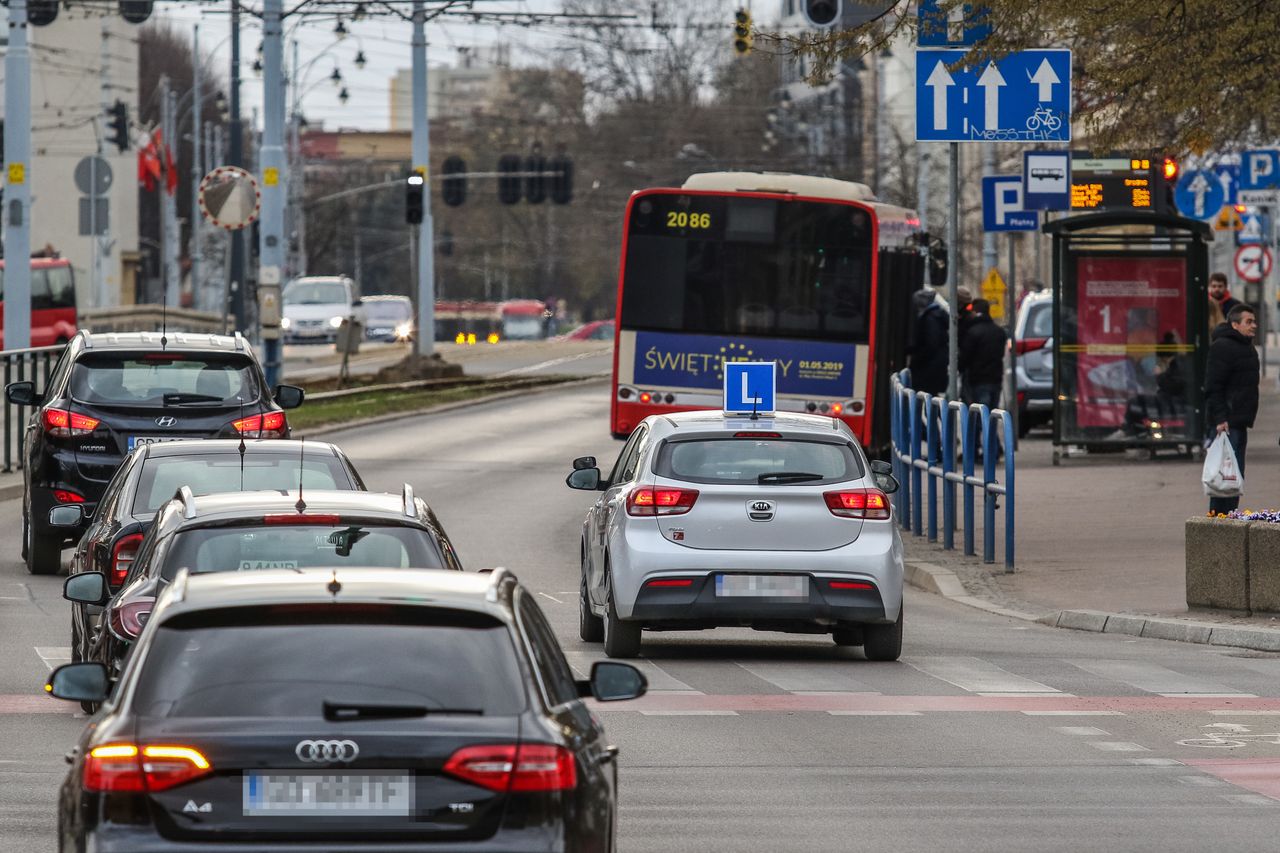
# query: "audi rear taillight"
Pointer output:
{"type": "Point", "coordinates": [1030, 345]}
{"type": "Point", "coordinates": [62, 423]}
{"type": "Point", "coordinates": [660, 501]}
{"type": "Point", "coordinates": [871, 504]}
{"type": "Point", "coordinates": [122, 556]}
{"type": "Point", "coordinates": [124, 768]}
{"type": "Point", "coordinates": [129, 618]}
{"type": "Point", "coordinates": [268, 425]}
{"type": "Point", "coordinates": [508, 767]}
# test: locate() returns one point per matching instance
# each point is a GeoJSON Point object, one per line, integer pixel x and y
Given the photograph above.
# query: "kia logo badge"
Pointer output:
{"type": "Point", "coordinates": [166, 421]}
{"type": "Point", "coordinates": [762, 506]}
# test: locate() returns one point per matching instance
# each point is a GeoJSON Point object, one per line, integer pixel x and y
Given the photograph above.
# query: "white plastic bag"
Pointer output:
{"type": "Point", "coordinates": [1221, 475]}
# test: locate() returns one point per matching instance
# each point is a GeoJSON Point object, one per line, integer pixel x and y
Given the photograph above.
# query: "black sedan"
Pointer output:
{"type": "Point", "coordinates": [392, 710]}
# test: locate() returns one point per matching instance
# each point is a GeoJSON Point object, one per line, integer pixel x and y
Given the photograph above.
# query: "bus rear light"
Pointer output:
{"type": "Point", "coordinates": [669, 399]}
{"type": "Point", "coordinates": [122, 557]}
{"type": "Point", "coordinates": [646, 397]}
{"type": "Point", "coordinates": [857, 407]}
{"type": "Point", "coordinates": [624, 393]}
{"type": "Point", "coordinates": [647, 501]}
{"type": "Point", "coordinates": [62, 423]}
{"type": "Point", "coordinates": [871, 504]}
{"type": "Point", "coordinates": [837, 408]}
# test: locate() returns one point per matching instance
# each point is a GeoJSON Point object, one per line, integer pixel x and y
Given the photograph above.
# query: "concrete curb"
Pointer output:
{"type": "Point", "coordinates": [12, 491]}
{"type": "Point", "coordinates": [946, 583]}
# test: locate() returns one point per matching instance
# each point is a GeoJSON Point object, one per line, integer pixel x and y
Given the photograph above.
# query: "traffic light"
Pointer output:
{"type": "Point", "coordinates": [41, 13]}
{"type": "Point", "coordinates": [414, 209]}
{"type": "Point", "coordinates": [1168, 180]}
{"type": "Point", "coordinates": [821, 13]}
{"type": "Point", "coordinates": [742, 38]}
{"type": "Point", "coordinates": [561, 168]}
{"type": "Point", "coordinates": [509, 178]}
{"type": "Point", "coordinates": [535, 185]}
{"type": "Point", "coordinates": [453, 187]}
{"type": "Point", "coordinates": [119, 125]}
{"type": "Point", "coordinates": [136, 11]}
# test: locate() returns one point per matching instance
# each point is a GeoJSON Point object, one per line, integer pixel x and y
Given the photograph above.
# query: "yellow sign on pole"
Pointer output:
{"type": "Point", "coordinates": [17, 173]}
{"type": "Point", "coordinates": [270, 176]}
{"type": "Point", "coordinates": [1228, 219]}
{"type": "Point", "coordinates": [993, 292]}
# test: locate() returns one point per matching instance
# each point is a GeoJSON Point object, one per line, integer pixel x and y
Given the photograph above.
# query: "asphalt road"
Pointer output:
{"type": "Point", "coordinates": [990, 734]}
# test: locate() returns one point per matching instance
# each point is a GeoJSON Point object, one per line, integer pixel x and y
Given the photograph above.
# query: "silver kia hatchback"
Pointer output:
{"type": "Point", "coordinates": [777, 524]}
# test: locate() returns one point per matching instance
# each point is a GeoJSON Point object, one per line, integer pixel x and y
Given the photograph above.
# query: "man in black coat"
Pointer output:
{"type": "Point", "coordinates": [1231, 387]}
{"type": "Point", "coordinates": [982, 349]}
{"type": "Point", "coordinates": [929, 344]}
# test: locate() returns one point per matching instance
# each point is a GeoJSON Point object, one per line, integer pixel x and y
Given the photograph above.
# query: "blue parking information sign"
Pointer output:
{"type": "Point", "coordinates": [749, 387]}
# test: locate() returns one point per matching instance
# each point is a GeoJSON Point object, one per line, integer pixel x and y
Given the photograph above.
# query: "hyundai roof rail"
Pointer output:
{"type": "Point", "coordinates": [179, 585]}
{"type": "Point", "coordinates": [497, 578]}
{"type": "Point", "coordinates": [188, 501]}
{"type": "Point", "coordinates": [410, 507]}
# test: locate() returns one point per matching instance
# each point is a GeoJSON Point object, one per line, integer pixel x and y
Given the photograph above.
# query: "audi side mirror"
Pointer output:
{"type": "Point", "coordinates": [613, 682]}
{"type": "Point", "coordinates": [289, 396]}
{"type": "Point", "coordinates": [66, 515]}
{"type": "Point", "coordinates": [587, 479]}
{"type": "Point", "coordinates": [79, 682]}
{"type": "Point", "coordinates": [21, 393]}
{"type": "Point", "coordinates": [86, 588]}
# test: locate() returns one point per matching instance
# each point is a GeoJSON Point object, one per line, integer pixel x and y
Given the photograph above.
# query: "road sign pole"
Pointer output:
{"type": "Point", "coordinates": [953, 278]}
{"type": "Point", "coordinates": [424, 339]}
{"type": "Point", "coordinates": [989, 251]}
{"type": "Point", "coordinates": [273, 178]}
{"type": "Point", "coordinates": [17, 194]}
{"type": "Point", "coordinates": [1010, 321]}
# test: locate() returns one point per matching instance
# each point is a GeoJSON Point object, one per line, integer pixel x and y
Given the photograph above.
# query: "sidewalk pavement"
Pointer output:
{"type": "Point", "coordinates": [1104, 534]}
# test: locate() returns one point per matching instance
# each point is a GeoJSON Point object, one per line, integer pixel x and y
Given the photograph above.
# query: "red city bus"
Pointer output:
{"type": "Point", "coordinates": [811, 273]}
{"type": "Point", "coordinates": [53, 302]}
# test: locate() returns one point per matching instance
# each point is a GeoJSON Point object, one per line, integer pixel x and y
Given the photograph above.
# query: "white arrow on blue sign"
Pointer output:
{"type": "Point", "coordinates": [1228, 175]}
{"type": "Point", "coordinates": [749, 387]}
{"type": "Point", "coordinates": [966, 24]}
{"type": "Point", "coordinates": [1002, 205]}
{"type": "Point", "coordinates": [1199, 194]}
{"type": "Point", "coordinates": [1023, 97]}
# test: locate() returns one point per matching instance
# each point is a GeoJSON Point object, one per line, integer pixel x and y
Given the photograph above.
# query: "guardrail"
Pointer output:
{"type": "Point", "coordinates": [35, 364]}
{"type": "Point", "coordinates": [918, 417]}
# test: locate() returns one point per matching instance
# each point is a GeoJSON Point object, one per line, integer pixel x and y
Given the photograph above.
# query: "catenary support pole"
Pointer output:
{"type": "Point", "coordinates": [235, 157]}
{"type": "Point", "coordinates": [169, 202]}
{"type": "Point", "coordinates": [953, 274]}
{"type": "Point", "coordinates": [196, 252]}
{"type": "Point", "coordinates": [424, 340]}
{"type": "Point", "coordinates": [17, 192]}
{"type": "Point", "coordinates": [273, 179]}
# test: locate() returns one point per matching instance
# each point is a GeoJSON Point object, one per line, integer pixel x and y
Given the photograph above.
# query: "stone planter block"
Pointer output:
{"type": "Point", "coordinates": [1217, 563]}
{"type": "Point", "coordinates": [1264, 566]}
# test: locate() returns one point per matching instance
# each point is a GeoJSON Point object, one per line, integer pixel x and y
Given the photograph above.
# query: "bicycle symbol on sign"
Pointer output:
{"type": "Point", "coordinates": [1044, 117]}
{"type": "Point", "coordinates": [1230, 736]}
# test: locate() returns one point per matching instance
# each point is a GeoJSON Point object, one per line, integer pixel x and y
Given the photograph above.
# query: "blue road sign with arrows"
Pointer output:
{"type": "Point", "coordinates": [1002, 205]}
{"type": "Point", "coordinates": [967, 24]}
{"type": "Point", "coordinates": [1023, 97]}
{"type": "Point", "coordinates": [1199, 194]}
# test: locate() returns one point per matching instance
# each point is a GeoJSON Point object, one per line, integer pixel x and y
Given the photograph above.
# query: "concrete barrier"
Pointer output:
{"type": "Point", "coordinates": [1233, 565]}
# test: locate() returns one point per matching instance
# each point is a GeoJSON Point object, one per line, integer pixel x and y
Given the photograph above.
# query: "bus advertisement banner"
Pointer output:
{"type": "Point", "coordinates": [806, 368]}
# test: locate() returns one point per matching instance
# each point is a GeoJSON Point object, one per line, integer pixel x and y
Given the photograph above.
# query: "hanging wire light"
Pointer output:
{"type": "Point", "coordinates": [343, 96]}
{"type": "Point", "coordinates": [340, 30]}
{"type": "Point", "coordinates": [358, 13]}
{"type": "Point", "coordinates": [336, 76]}
{"type": "Point", "coordinates": [257, 66]}
{"type": "Point", "coordinates": [360, 59]}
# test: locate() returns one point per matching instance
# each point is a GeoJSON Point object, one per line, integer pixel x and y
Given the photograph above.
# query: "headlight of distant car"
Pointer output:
{"type": "Point", "coordinates": [285, 322]}
{"type": "Point", "coordinates": [404, 331]}
{"type": "Point", "coordinates": [335, 322]}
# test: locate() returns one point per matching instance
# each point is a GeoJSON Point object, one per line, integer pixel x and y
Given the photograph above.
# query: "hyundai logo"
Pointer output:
{"type": "Point", "coordinates": [166, 421]}
{"type": "Point", "coordinates": [326, 751]}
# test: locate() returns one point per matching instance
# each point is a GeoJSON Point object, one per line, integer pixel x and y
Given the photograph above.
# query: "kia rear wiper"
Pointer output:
{"type": "Point", "coordinates": [343, 711]}
{"type": "Point", "coordinates": [788, 477]}
{"type": "Point", "coordinates": [181, 398]}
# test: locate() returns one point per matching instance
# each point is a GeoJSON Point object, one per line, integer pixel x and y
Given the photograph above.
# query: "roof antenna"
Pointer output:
{"type": "Point", "coordinates": [755, 400]}
{"type": "Point", "coordinates": [301, 505]}
{"type": "Point", "coordinates": [242, 447]}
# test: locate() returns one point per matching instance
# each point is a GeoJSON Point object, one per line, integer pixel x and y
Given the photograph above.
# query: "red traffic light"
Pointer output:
{"type": "Point", "coordinates": [1170, 168]}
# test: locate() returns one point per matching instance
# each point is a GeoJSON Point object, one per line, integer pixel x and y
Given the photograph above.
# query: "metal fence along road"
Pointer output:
{"type": "Point", "coordinates": [34, 364]}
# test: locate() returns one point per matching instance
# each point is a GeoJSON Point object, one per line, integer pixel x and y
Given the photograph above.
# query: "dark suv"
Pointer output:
{"type": "Point", "coordinates": [111, 392]}
{"type": "Point", "coordinates": [347, 709]}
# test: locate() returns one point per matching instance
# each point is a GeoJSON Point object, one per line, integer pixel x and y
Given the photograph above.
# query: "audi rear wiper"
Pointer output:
{"type": "Point", "coordinates": [787, 477]}
{"type": "Point", "coordinates": [342, 711]}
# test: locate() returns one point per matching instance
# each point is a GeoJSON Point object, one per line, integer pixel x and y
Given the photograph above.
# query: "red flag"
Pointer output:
{"type": "Point", "coordinates": [149, 166]}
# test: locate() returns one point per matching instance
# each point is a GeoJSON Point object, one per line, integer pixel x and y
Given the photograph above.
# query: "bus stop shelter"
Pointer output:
{"type": "Point", "coordinates": [1130, 327]}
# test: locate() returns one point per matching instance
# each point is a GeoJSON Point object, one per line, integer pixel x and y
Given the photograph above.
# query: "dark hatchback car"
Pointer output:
{"type": "Point", "coordinates": [150, 477]}
{"type": "Point", "coordinates": [250, 531]}
{"type": "Point", "coordinates": [395, 710]}
{"type": "Point", "coordinates": [109, 393]}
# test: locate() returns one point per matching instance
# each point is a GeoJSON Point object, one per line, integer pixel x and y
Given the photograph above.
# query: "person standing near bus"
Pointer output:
{"type": "Point", "coordinates": [982, 349]}
{"type": "Point", "coordinates": [929, 344]}
{"type": "Point", "coordinates": [1231, 387]}
{"type": "Point", "coordinates": [1220, 300]}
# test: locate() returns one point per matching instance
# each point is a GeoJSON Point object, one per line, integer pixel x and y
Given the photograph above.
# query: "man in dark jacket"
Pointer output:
{"type": "Point", "coordinates": [929, 344]}
{"type": "Point", "coordinates": [982, 349]}
{"type": "Point", "coordinates": [1219, 294]}
{"type": "Point", "coordinates": [1231, 387]}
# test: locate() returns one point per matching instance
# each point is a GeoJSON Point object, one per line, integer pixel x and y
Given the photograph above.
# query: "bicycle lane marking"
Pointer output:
{"type": "Point", "coordinates": [1260, 775]}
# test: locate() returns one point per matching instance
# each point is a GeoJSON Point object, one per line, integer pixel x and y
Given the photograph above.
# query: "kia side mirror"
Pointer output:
{"type": "Point", "coordinates": [614, 682]}
{"type": "Point", "coordinates": [289, 396]}
{"type": "Point", "coordinates": [86, 588]}
{"type": "Point", "coordinates": [583, 462]}
{"type": "Point", "coordinates": [587, 479]}
{"type": "Point", "coordinates": [882, 472]}
{"type": "Point", "coordinates": [66, 515]}
{"type": "Point", "coordinates": [21, 393]}
{"type": "Point", "coordinates": [79, 682]}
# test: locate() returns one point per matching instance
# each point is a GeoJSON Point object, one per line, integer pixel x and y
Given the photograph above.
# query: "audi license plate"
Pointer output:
{"type": "Point", "coordinates": [328, 794]}
{"type": "Point", "coordinates": [762, 586]}
{"type": "Point", "coordinates": [136, 440]}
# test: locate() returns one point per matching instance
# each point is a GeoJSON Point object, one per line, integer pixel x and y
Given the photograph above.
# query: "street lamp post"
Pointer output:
{"type": "Point", "coordinates": [17, 193]}
{"type": "Point", "coordinates": [424, 340]}
{"type": "Point", "coordinates": [271, 243]}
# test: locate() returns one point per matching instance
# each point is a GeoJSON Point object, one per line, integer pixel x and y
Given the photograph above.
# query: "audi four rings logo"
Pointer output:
{"type": "Point", "coordinates": [166, 421]}
{"type": "Point", "coordinates": [325, 751]}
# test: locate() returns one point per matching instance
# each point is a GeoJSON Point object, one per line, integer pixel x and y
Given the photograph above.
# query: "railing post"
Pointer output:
{"type": "Point", "coordinates": [970, 448]}
{"type": "Point", "coordinates": [8, 410]}
{"type": "Point", "coordinates": [988, 497]}
{"type": "Point", "coordinates": [917, 509]}
{"type": "Point", "coordinates": [948, 469]}
{"type": "Point", "coordinates": [1009, 501]}
{"type": "Point", "coordinates": [22, 374]}
{"type": "Point", "coordinates": [931, 438]}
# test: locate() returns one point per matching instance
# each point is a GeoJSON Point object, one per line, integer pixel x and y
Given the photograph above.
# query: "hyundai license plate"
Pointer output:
{"type": "Point", "coordinates": [762, 586]}
{"type": "Point", "coordinates": [136, 440]}
{"type": "Point", "coordinates": [328, 794]}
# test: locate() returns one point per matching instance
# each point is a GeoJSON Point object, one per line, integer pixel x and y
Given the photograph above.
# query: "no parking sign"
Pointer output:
{"type": "Point", "coordinates": [1253, 262]}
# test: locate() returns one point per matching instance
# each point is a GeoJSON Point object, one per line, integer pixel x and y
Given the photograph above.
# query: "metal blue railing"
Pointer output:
{"type": "Point", "coordinates": [916, 412]}
{"type": "Point", "coordinates": [33, 364]}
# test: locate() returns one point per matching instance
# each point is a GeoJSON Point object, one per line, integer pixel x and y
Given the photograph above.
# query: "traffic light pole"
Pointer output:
{"type": "Point", "coordinates": [17, 195]}
{"type": "Point", "coordinates": [271, 245]}
{"type": "Point", "coordinates": [235, 157]}
{"type": "Point", "coordinates": [424, 339]}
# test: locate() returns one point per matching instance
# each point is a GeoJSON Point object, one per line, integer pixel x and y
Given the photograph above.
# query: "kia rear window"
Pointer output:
{"type": "Point", "coordinates": [757, 461]}
{"type": "Point", "coordinates": [165, 379]}
{"type": "Point", "coordinates": [225, 472]}
{"type": "Point", "coordinates": [290, 661]}
{"type": "Point", "coordinates": [300, 546]}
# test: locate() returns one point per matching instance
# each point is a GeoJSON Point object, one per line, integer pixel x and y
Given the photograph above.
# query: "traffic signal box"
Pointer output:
{"type": "Point", "coordinates": [118, 125]}
{"type": "Point", "coordinates": [413, 200]}
{"type": "Point", "coordinates": [742, 37]}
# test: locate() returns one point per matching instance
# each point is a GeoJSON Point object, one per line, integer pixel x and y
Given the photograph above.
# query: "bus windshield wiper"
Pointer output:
{"type": "Point", "coordinates": [181, 398]}
{"type": "Point", "coordinates": [340, 711]}
{"type": "Point", "coordinates": [788, 477]}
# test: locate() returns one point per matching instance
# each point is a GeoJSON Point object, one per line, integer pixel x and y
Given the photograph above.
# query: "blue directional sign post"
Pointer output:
{"type": "Point", "coordinates": [1046, 180]}
{"type": "Point", "coordinates": [1002, 208]}
{"type": "Point", "coordinates": [966, 25]}
{"type": "Point", "coordinates": [1199, 194]}
{"type": "Point", "coordinates": [1228, 177]}
{"type": "Point", "coordinates": [1259, 176]}
{"type": "Point", "coordinates": [750, 387]}
{"type": "Point", "coordinates": [1023, 97]}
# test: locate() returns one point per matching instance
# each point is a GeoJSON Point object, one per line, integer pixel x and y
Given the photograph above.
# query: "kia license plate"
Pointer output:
{"type": "Point", "coordinates": [328, 794]}
{"type": "Point", "coordinates": [136, 440]}
{"type": "Point", "coordinates": [762, 586]}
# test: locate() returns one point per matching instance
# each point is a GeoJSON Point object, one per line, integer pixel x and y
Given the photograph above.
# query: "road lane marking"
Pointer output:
{"type": "Point", "coordinates": [1059, 713]}
{"type": "Point", "coordinates": [1227, 712]}
{"type": "Point", "coordinates": [54, 656]}
{"type": "Point", "coordinates": [1151, 678]}
{"type": "Point", "coordinates": [806, 679]}
{"type": "Point", "coordinates": [1117, 746]}
{"type": "Point", "coordinates": [690, 713]}
{"type": "Point", "coordinates": [554, 362]}
{"type": "Point", "coordinates": [978, 676]}
{"type": "Point", "coordinates": [659, 679]}
{"type": "Point", "coordinates": [1156, 762]}
{"type": "Point", "coordinates": [1249, 799]}
{"type": "Point", "coordinates": [1260, 775]}
{"type": "Point", "coordinates": [552, 597]}
{"type": "Point", "coordinates": [875, 713]}
{"type": "Point", "coordinates": [1201, 781]}
{"type": "Point", "coordinates": [1081, 731]}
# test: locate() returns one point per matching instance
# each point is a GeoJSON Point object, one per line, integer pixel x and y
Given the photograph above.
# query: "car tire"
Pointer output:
{"type": "Point", "coordinates": [44, 557]}
{"type": "Point", "coordinates": [77, 656]}
{"type": "Point", "coordinates": [621, 639]}
{"type": "Point", "coordinates": [883, 642]}
{"type": "Point", "coordinates": [848, 635]}
{"type": "Point", "coordinates": [590, 626]}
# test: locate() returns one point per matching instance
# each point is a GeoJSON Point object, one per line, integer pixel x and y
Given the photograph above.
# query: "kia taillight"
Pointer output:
{"type": "Point", "coordinates": [123, 767]}
{"type": "Point", "coordinates": [669, 582]}
{"type": "Point", "coordinates": [660, 501]}
{"type": "Point", "coordinates": [858, 503]}
{"type": "Point", "coordinates": [850, 585]}
{"type": "Point", "coordinates": [268, 425]}
{"type": "Point", "coordinates": [122, 556]}
{"type": "Point", "coordinates": [129, 618]}
{"type": "Point", "coordinates": [61, 423]}
{"type": "Point", "coordinates": [508, 767]}
{"type": "Point", "coordinates": [1030, 345]}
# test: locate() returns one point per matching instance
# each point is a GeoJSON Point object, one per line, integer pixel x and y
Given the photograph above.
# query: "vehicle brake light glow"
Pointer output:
{"type": "Point", "coordinates": [1030, 345]}
{"type": "Point", "coordinates": [670, 582]}
{"type": "Point", "coordinates": [300, 518]}
{"type": "Point", "coordinates": [62, 423]}
{"type": "Point", "coordinates": [647, 501]}
{"type": "Point", "coordinates": [871, 504]}
{"type": "Point", "coordinates": [510, 767]}
{"type": "Point", "coordinates": [757, 435]}
{"type": "Point", "coordinates": [66, 496]}
{"type": "Point", "coordinates": [646, 397]}
{"type": "Point", "coordinates": [837, 408]}
{"type": "Point", "coordinates": [268, 425]}
{"type": "Point", "coordinates": [123, 767]}
{"type": "Point", "coordinates": [850, 585]}
{"type": "Point", "coordinates": [122, 557]}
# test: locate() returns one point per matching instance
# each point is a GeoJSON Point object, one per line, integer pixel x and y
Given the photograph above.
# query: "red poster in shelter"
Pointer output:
{"type": "Point", "coordinates": [1130, 311]}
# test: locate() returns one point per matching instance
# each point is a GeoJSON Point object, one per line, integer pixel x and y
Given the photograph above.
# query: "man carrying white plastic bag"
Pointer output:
{"type": "Point", "coordinates": [1231, 403]}
{"type": "Point", "coordinates": [1222, 477]}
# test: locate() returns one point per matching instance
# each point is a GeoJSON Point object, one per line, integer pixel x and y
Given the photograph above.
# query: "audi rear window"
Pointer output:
{"type": "Point", "coordinates": [288, 661]}
{"type": "Point", "coordinates": [757, 461]}
{"type": "Point", "coordinates": [163, 379]}
{"type": "Point", "coordinates": [224, 472]}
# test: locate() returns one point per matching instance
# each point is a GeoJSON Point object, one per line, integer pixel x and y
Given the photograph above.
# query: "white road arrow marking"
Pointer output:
{"type": "Point", "coordinates": [940, 80]}
{"type": "Point", "coordinates": [1199, 187]}
{"type": "Point", "coordinates": [1224, 180]}
{"type": "Point", "coordinates": [991, 81]}
{"type": "Point", "coordinates": [1044, 78]}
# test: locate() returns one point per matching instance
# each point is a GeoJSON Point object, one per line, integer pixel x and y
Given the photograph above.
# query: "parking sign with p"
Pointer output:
{"type": "Point", "coordinates": [1002, 208]}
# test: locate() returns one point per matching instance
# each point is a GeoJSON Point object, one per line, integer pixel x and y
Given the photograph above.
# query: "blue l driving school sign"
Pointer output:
{"type": "Point", "coordinates": [811, 368]}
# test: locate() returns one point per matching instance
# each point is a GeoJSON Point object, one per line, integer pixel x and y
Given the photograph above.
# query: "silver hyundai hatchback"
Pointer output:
{"type": "Point", "coordinates": [776, 524]}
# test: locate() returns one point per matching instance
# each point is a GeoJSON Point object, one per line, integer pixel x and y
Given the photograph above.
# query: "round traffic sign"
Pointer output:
{"type": "Point", "coordinates": [1253, 262]}
{"type": "Point", "coordinates": [1199, 194]}
{"type": "Point", "coordinates": [229, 198]}
{"type": "Point", "coordinates": [93, 175]}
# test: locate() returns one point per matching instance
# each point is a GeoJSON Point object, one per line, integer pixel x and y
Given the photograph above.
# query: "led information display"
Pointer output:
{"type": "Point", "coordinates": [1112, 183]}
